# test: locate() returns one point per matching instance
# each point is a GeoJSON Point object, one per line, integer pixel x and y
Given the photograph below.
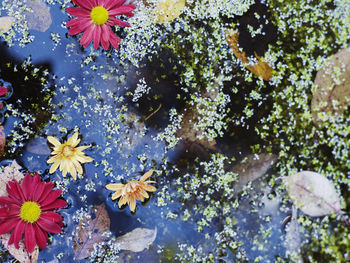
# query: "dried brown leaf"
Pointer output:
{"type": "Point", "coordinates": [260, 69]}
{"type": "Point", "coordinates": [91, 231]}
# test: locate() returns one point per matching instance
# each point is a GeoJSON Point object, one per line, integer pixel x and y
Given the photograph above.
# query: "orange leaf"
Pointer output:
{"type": "Point", "coordinates": [260, 69]}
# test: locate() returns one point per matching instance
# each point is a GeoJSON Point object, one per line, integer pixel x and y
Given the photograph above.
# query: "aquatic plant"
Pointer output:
{"type": "Point", "coordinates": [132, 191]}
{"type": "Point", "coordinates": [67, 156]}
{"type": "Point", "coordinates": [95, 21]}
{"type": "Point", "coordinates": [29, 209]}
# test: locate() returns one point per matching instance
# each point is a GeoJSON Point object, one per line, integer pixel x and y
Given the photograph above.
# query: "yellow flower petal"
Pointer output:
{"type": "Point", "coordinates": [132, 204]}
{"type": "Point", "coordinates": [53, 141]}
{"type": "Point", "coordinates": [149, 188]}
{"type": "Point", "coordinates": [114, 187]}
{"type": "Point", "coordinates": [116, 194]}
{"type": "Point", "coordinates": [146, 175]}
{"type": "Point", "coordinates": [54, 167]}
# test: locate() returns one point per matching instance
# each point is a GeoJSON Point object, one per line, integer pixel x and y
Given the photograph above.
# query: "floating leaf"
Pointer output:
{"type": "Point", "coordinates": [11, 172]}
{"type": "Point", "coordinates": [137, 240]}
{"type": "Point", "coordinates": [91, 232]}
{"type": "Point", "coordinates": [260, 69]}
{"type": "Point", "coordinates": [312, 193]}
{"type": "Point", "coordinates": [40, 18]}
{"type": "Point", "coordinates": [5, 23]}
{"type": "Point", "coordinates": [332, 94]}
{"type": "Point", "coordinates": [168, 10]}
{"type": "Point", "coordinates": [252, 167]}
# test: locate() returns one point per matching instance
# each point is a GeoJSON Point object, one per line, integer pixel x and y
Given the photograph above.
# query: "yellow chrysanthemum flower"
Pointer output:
{"type": "Point", "coordinates": [132, 191]}
{"type": "Point", "coordinates": [67, 156]}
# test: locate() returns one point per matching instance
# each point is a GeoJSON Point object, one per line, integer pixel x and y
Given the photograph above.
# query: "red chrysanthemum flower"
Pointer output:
{"type": "Point", "coordinates": [29, 209]}
{"type": "Point", "coordinates": [95, 18]}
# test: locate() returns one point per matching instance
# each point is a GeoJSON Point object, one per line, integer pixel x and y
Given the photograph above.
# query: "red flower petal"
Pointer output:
{"type": "Point", "coordinates": [118, 22]}
{"type": "Point", "coordinates": [40, 236]}
{"type": "Point", "coordinates": [115, 41]}
{"type": "Point", "coordinates": [29, 238]}
{"type": "Point", "coordinates": [46, 190]}
{"type": "Point", "coordinates": [121, 10]}
{"type": "Point", "coordinates": [83, 3]}
{"type": "Point", "coordinates": [49, 226]}
{"type": "Point", "coordinates": [87, 36]}
{"type": "Point", "coordinates": [8, 224]}
{"type": "Point", "coordinates": [20, 195]}
{"type": "Point", "coordinates": [8, 200]}
{"type": "Point", "coordinates": [59, 203]}
{"type": "Point", "coordinates": [18, 233]}
{"type": "Point", "coordinates": [52, 216]}
{"type": "Point", "coordinates": [51, 197]}
{"type": "Point", "coordinates": [3, 91]}
{"type": "Point", "coordinates": [97, 37]}
{"type": "Point", "coordinates": [27, 186]}
{"type": "Point", "coordinates": [79, 12]}
{"type": "Point", "coordinates": [111, 4]}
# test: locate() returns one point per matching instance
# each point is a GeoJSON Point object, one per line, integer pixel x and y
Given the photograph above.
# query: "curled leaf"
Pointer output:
{"type": "Point", "coordinates": [312, 193]}
{"type": "Point", "coordinates": [260, 69]}
{"type": "Point", "coordinates": [332, 94]}
{"type": "Point", "coordinates": [137, 240]}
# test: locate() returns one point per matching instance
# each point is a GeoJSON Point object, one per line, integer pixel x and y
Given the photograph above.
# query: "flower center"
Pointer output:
{"type": "Point", "coordinates": [99, 15]}
{"type": "Point", "coordinates": [30, 212]}
{"type": "Point", "coordinates": [68, 151]}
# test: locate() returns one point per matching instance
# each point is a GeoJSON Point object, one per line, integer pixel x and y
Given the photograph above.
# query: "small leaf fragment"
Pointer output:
{"type": "Point", "coordinates": [137, 240]}
{"type": "Point", "coordinates": [312, 193]}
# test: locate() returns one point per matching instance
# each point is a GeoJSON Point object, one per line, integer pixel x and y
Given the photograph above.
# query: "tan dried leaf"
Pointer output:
{"type": "Point", "coordinates": [168, 10]}
{"type": "Point", "coordinates": [312, 193]}
{"type": "Point", "coordinates": [137, 240]}
{"type": "Point", "coordinates": [11, 172]}
{"type": "Point", "coordinates": [332, 94]}
{"type": "Point", "coordinates": [260, 69]}
{"type": "Point", "coordinates": [91, 231]}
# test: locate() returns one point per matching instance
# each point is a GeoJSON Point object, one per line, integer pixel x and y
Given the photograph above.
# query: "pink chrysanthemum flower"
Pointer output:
{"type": "Point", "coordinates": [95, 18]}
{"type": "Point", "coordinates": [29, 209]}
